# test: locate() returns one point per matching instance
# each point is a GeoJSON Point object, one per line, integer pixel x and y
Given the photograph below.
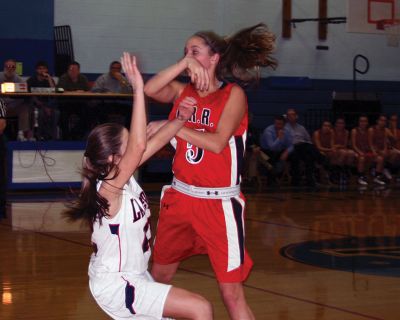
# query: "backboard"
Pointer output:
{"type": "Point", "coordinates": [364, 15]}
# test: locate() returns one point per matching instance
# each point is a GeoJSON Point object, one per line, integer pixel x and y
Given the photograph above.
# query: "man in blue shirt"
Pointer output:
{"type": "Point", "coordinates": [303, 151]}
{"type": "Point", "coordinates": [276, 142]}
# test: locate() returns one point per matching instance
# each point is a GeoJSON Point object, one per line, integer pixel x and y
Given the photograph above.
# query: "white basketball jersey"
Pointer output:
{"type": "Point", "coordinates": [121, 244]}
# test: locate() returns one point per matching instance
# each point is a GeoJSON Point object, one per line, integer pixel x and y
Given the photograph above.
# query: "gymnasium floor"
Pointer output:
{"type": "Point", "coordinates": [326, 254]}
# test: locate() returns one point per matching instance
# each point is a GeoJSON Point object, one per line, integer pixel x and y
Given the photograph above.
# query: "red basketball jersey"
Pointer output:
{"type": "Point", "coordinates": [203, 168]}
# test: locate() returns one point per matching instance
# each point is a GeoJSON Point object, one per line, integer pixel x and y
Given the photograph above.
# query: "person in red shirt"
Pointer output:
{"type": "Point", "coordinates": [346, 155]}
{"type": "Point", "coordinates": [393, 134]}
{"type": "Point", "coordinates": [203, 210]}
{"type": "Point", "coordinates": [324, 139]}
{"type": "Point", "coordinates": [361, 143]}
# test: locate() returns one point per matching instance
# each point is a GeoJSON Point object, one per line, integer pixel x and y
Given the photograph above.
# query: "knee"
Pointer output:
{"type": "Point", "coordinates": [203, 309]}
{"type": "Point", "coordinates": [231, 296]}
{"type": "Point", "coordinates": [161, 275]}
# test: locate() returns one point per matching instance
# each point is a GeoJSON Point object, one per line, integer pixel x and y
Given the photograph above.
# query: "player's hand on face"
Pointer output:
{"type": "Point", "coordinates": [131, 71]}
{"type": "Point", "coordinates": [186, 108]}
{"type": "Point", "coordinates": [198, 74]}
{"type": "Point", "coordinates": [154, 126]}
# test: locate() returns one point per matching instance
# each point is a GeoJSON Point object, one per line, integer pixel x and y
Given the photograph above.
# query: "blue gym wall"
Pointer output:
{"type": "Point", "coordinates": [26, 32]}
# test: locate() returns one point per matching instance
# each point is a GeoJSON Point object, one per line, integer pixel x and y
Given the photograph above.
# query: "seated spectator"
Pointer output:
{"type": "Point", "coordinates": [323, 139]}
{"type": "Point", "coordinates": [304, 151]}
{"type": "Point", "coordinates": [364, 155]}
{"type": "Point", "coordinates": [16, 107]}
{"type": "Point", "coordinates": [276, 142]}
{"type": "Point", "coordinates": [378, 141]}
{"type": "Point", "coordinates": [2, 159]}
{"type": "Point", "coordinates": [114, 82]}
{"type": "Point", "coordinates": [345, 155]}
{"type": "Point", "coordinates": [73, 80]}
{"type": "Point", "coordinates": [48, 115]}
{"type": "Point", "coordinates": [73, 113]}
{"type": "Point", "coordinates": [254, 156]}
{"type": "Point", "coordinates": [393, 134]}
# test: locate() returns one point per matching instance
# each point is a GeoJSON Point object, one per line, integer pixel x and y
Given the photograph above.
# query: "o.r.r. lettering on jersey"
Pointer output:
{"type": "Point", "coordinates": [203, 118]}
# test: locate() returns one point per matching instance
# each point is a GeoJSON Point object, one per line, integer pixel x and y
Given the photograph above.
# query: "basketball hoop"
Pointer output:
{"type": "Point", "coordinates": [392, 30]}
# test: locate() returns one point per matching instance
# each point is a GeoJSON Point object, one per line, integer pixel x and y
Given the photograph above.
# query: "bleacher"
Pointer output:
{"type": "Point", "coordinates": [275, 95]}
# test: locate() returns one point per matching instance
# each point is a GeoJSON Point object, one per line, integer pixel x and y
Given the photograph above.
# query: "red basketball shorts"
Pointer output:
{"type": "Point", "coordinates": [189, 226]}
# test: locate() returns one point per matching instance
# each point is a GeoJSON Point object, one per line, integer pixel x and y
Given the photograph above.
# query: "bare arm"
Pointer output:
{"type": "Point", "coordinates": [164, 88]}
{"type": "Point", "coordinates": [162, 137]}
{"type": "Point", "coordinates": [332, 147]}
{"type": "Point", "coordinates": [354, 142]}
{"type": "Point", "coordinates": [230, 120]}
{"type": "Point", "coordinates": [370, 140]}
{"type": "Point", "coordinates": [317, 142]}
{"type": "Point", "coordinates": [137, 136]}
{"type": "Point", "coordinates": [346, 140]}
{"type": "Point", "coordinates": [3, 125]}
{"type": "Point", "coordinates": [385, 142]}
{"type": "Point", "coordinates": [52, 84]}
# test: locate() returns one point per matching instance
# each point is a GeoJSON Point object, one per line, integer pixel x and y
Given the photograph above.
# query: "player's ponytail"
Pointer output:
{"type": "Point", "coordinates": [242, 54]}
{"type": "Point", "coordinates": [104, 143]}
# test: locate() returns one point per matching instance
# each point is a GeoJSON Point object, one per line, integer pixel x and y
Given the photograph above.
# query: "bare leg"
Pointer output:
{"type": "Point", "coordinates": [164, 272]}
{"type": "Point", "coordinates": [235, 301]}
{"type": "Point", "coordinates": [394, 157]}
{"type": "Point", "coordinates": [380, 162]}
{"type": "Point", "coordinates": [350, 156]}
{"type": "Point", "coordinates": [339, 157]}
{"type": "Point", "coordinates": [181, 303]}
{"type": "Point", "coordinates": [361, 164]}
{"type": "Point", "coordinates": [20, 109]}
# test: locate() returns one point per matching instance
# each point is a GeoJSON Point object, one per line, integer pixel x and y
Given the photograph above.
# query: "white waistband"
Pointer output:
{"type": "Point", "coordinates": [204, 192]}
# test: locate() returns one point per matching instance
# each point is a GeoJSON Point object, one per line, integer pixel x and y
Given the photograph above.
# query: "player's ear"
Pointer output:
{"type": "Point", "coordinates": [215, 58]}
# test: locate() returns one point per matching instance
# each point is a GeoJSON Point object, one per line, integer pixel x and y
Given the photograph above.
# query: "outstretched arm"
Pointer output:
{"type": "Point", "coordinates": [137, 136]}
{"type": "Point", "coordinates": [230, 120]}
{"type": "Point", "coordinates": [168, 131]}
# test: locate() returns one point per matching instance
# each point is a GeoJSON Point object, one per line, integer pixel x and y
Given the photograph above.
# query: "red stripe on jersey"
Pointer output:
{"type": "Point", "coordinates": [114, 228]}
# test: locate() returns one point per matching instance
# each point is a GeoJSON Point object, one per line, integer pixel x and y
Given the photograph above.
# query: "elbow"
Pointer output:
{"type": "Point", "coordinates": [148, 90]}
{"type": "Point", "coordinates": [140, 147]}
{"type": "Point", "coordinates": [218, 147]}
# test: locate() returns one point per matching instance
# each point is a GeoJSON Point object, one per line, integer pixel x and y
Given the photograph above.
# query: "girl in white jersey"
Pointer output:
{"type": "Point", "coordinates": [118, 212]}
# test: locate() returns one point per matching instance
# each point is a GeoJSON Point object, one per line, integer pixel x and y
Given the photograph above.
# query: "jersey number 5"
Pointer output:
{"type": "Point", "coordinates": [194, 154]}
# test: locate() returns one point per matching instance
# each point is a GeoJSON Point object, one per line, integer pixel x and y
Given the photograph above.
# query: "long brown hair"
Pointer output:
{"type": "Point", "coordinates": [242, 54]}
{"type": "Point", "coordinates": [103, 141]}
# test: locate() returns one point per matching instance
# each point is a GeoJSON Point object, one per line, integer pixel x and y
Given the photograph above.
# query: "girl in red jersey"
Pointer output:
{"type": "Point", "coordinates": [379, 141]}
{"type": "Point", "coordinates": [360, 140]}
{"type": "Point", "coordinates": [323, 139]}
{"type": "Point", "coordinates": [203, 210]}
{"type": "Point", "coordinates": [345, 155]}
{"type": "Point", "coordinates": [117, 210]}
{"type": "Point", "coordinates": [393, 134]}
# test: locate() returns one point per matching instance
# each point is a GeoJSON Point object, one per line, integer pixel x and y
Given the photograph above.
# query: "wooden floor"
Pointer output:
{"type": "Point", "coordinates": [297, 238]}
